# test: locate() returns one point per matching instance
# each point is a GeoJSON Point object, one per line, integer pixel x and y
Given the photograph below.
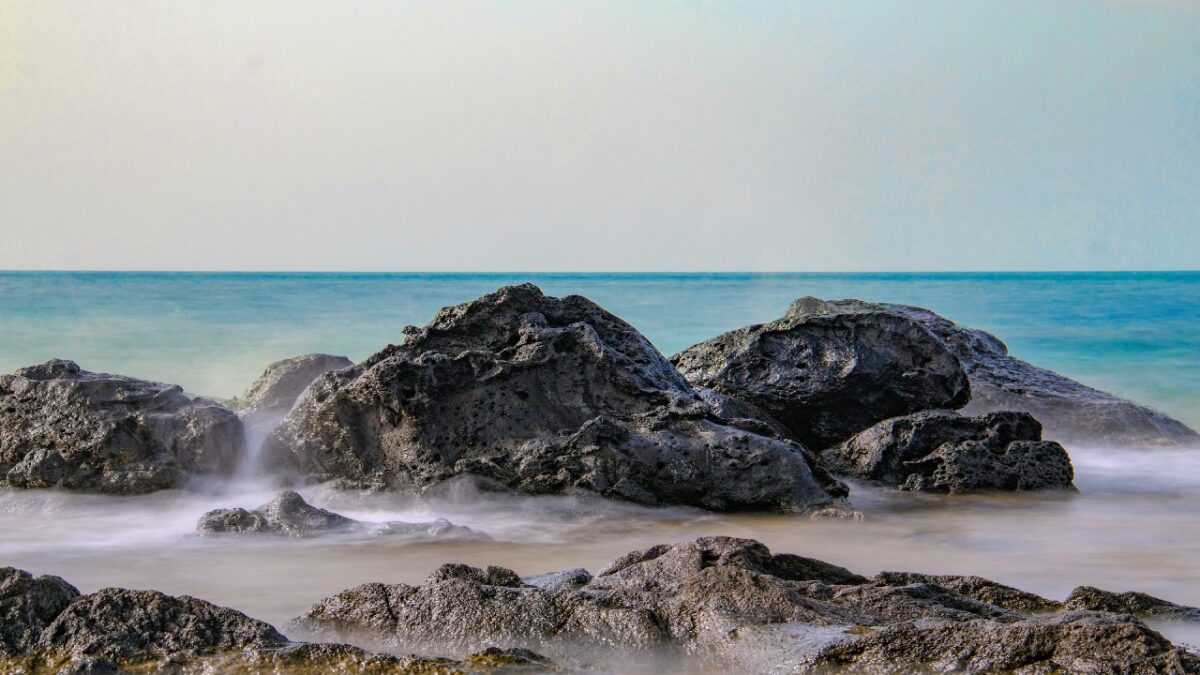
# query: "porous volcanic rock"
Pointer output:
{"type": "Point", "coordinates": [1130, 602]}
{"type": "Point", "coordinates": [826, 376]}
{"type": "Point", "coordinates": [64, 426]}
{"type": "Point", "coordinates": [733, 600]}
{"type": "Point", "coordinates": [1070, 411]}
{"type": "Point", "coordinates": [289, 514]}
{"type": "Point", "coordinates": [28, 605]}
{"type": "Point", "coordinates": [540, 395]}
{"type": "Point", "coordinates": [272, 395]}
{"type": "Point", "coordinates": [942, 451]}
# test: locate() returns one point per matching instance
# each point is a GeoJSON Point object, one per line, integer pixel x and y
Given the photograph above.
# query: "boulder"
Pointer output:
{"type": "Point", "coordinates": [289, 514]}
{"type": "Point", "coordinates": [272, 395]}
{"type": "Point", "coordinates": [942, 451]}
{"type": "Point", "coordinates": [733, 600]}
{"type": "Point", "coordinates": [540, 395]}
{"type": "Point", "coordinates": [64, 426]}
{"type": "Point", "coordinates": [27, 606]}
{"type": "Point", "coordinates": [1070, 411]}
{"type": "Point", "coordinates": [825, 376]}
{"type": "Point", "coordinates": [1131, 602]}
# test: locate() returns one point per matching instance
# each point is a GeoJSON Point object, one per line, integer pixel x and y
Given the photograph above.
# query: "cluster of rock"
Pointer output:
{"type": "Point", "coordinates": [48, 626]}
{"type": "Point", "coordinates": [288, 514]}
{"type": "Point", "coordinates": [537, 394]}
{"type": "Point", "coordinates": [732, 601]}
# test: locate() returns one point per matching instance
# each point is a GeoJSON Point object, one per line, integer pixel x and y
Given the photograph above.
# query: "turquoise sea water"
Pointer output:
{"type": "Point", "coordinates": [1136, 334]}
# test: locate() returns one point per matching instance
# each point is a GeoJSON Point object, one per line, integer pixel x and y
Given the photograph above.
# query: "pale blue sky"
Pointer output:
{"type": "Point", "coordinates": [600, 136]}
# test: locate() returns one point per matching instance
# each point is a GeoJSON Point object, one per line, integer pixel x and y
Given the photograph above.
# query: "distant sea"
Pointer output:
{"type": "Point", "coordinates": [1135, 334]}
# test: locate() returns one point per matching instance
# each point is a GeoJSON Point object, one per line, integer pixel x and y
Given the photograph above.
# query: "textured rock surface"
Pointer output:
{"type": "Point", "coordinates": [943, 451]}
{"type": "Point", "coordinates": [825, 376]}
{"type": "Point", "coordinates": [61, 425]}
{"type": "Point", "coordinates": [28, 605]}
{"type": "Point", "coordinates": [273, 394]}
{"type": "Point", "coordinates": [289, 514]}
{"type": "Point", "coordinates": [1131, 602]}
{"type": "Point", "coordinates": [540, 395]}
{"type": "Point", "coordinates": [1070, 411]}
{"type": "Point", "coordinates": [733, 601]}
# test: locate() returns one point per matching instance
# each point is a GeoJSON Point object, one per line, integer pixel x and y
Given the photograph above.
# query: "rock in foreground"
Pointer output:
{"type": "Point", "coordinates": [540, 395]}
{"type": "Point", "coordinates": [1070, 411]}
{"type": "Point", "coordinates": [825, 376]}
{"type": "Point", "coordinates": [64, 426]}
{"type": "Point", "coordinates": [942, 451]}
{"type": "Point", "coordinates": [731, 602]}
{"type": "Point", "coordinates": [289, 514]}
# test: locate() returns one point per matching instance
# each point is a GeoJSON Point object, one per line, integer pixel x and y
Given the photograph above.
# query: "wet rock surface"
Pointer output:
{"type": "Point", "coordinates": [63, 426]}
{"type": "Point", "coordinates": [825, 375]}
{"type": "Point", "coordinates": [1131, 602]}
{"type": "Point", "coordinates": [288, 514]}
{"type": "Point", "coordinates": [539, 395]}
{"type": "Point", "coordinates": [732, 600]}
{"type": "Point", "coordinates": [942, 451]}
{"type": "Point", "coordinates": [27, 605]}
{"type": "Point", "coordinates": [273, 394]}
{"type": "Point", "coordinates": [1070, 411]}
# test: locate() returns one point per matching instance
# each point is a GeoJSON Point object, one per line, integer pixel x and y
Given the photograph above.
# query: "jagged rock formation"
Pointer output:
{"type": "Point", "coordinates": [825, 376]}
{"type": "Point", "coordinates": [1070, 411]}
{"type": "Point", "coordinates": [540, 395]}
{"type": "Point", "coordinates": [942, 451]}
{"type": "Point", "coordinates": [1131, 602]}
{"type": "Point", "coordinates": [63, 426]}
{"type": "Point", "coordinates": [272, 395]}
{"type": "Point", "coordinates": [733, 601]}
{"type": "Point", "coordinates": [289, 514]}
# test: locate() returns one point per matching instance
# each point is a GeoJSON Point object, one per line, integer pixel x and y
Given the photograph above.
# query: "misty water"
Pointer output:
{"type": "Point", "coordinates": [1131, 526]}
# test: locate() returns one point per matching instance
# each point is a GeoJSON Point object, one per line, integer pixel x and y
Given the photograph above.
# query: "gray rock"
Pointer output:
{"type": "Point", "coordinates": [28, 605]}
{"type": "Point", "coordinates": [539, 395]}
{"type": "Point", "coordinates": [983, 590]}
{"type": "Point", "coordinates": [1131, 602]}
{"type": "Point", "coordinates": [942, 451]}
{"type": "Point", "coordinates": [274, 393]}
{"type": "Point", "coordinates": [564, 580]}
{"type": "Point", "coordinates": [61, 425]}
{"type": "Point", "coordinates": [1070, 411]}
{"type": "Point", "coordinates": [825, 376]}
{"type": "Point", "coordinates": [289, 514]}
{"type": "Point", "coordinates": [1074, 642]}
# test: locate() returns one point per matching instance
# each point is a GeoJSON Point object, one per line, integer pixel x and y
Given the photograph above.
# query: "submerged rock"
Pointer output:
{"type": "Point", "coordinates": [540, 395]}
{"type": "Point", "coordinates": [943, 451]}
{"type": "Point", "coordinates": [732, 600]}
{"type": "Point", "coordinates": [1070, 411]}
{"type": "Point", "coordinates": [825, 376]}
{"type": "Point", "coordinates": [289, 514]}
{"type": "Point", "coordinates": [64, 426]}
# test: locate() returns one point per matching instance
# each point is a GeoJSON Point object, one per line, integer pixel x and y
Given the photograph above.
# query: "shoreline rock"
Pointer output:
{"type": "Point", "coordinates": [942, 451]}
{"type": "Point", "coordinates": [540, 395]}
{"type": "Point", "coordinates": [63, 426]}
{"type": "Point", "coordinates": [288, 514]}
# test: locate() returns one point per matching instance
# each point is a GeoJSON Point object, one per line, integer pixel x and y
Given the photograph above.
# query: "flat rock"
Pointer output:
{"type": "Point", "coordinates": [942, 451]}
{"type": "Point", "coordinates": [537, 394]}
{"type": "Point", "coordinates": [824, 376]}
{"type": "Point", "coordinates": [289, 514]}
{"type": "Point", "coordinates": [64, 426]}
{"type": "Point", "coordinates": [734, 601]}
{"type": "Point", "coordinates": [1130, 602]}
{"type": "Point", "coordinates": [1070, 411]}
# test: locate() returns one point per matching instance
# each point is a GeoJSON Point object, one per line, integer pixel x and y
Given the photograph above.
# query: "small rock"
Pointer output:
{"type": "Point", "coordinates": [1131, 602]}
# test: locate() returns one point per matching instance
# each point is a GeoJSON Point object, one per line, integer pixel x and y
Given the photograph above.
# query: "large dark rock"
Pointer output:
{"type": "Point", "coordinates": [61, 425]}
{"type": "Point", "coordinates": [541, 395]}
{"type": "Point", "coordinates": [942, 451]}
{"type": "Point", "coordinates": [1070, 411]}
{"type": "Point", "coordinates": [289, 514]}
{"type": "Point", "coordinates": [827, 375]}
{"type": "Point", "coordinates": [28, 605]}
{"type": "Point", "coordinates": [733, 600]}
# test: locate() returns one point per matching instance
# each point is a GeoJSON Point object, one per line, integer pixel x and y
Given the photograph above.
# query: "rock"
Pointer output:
{"type": "Point", "coordinates": [539, 395]}
{"type": "Point", "coordinates": [1132, 602]}
{"type": "Point", "coordinates": [825, 376]}
{"type": "Point", "coordinates": [942, 451]}
{"type": "Point", "coordinates": [1070, 411]}
{"type": "Point", "coordinates": [289, 514]}
{"type": "Point", "coordinates": [28, 605]}
{"type": "Point", "coordinates": [274, 393]}
{"type": "Point", "coordinates": [302, 659]}
{"type": "Point", "coordinates": [1074, 642]}
{"type": "Point", "coordinates": [734, 601]}
{"type": "Point", "coordinates": [125, 626]}
{"type": "Point", "coordinates": [61, 425]}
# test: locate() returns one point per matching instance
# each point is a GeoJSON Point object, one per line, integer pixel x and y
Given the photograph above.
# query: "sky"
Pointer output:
{"type": "Point", "coordinates": [600, 136]}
